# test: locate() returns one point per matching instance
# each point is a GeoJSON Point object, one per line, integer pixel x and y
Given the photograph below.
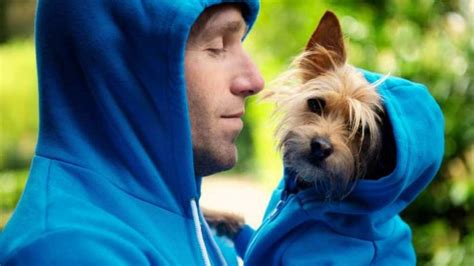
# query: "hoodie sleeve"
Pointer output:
{"type": "Point", "coordinates": [242, 240]}
{"type": "Point", "coordinates": [79, 248]}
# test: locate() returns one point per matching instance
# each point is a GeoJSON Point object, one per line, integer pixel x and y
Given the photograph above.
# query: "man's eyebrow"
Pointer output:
{"type": "Point", "coordinates": [230, 27]}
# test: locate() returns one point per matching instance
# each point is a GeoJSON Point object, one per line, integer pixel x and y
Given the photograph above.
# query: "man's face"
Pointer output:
{"type": "Point", "coordinates": [219, 76]}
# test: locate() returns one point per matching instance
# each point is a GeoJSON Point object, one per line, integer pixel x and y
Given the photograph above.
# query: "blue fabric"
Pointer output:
{"type": "Point", "coordinates": [112, 177]}
{"type": "Point", "coordinates": [242, 239]}
{"type": "Point", "coordinates": [365, 228]}
{"type": "Point", "coordinates": [227, 248]}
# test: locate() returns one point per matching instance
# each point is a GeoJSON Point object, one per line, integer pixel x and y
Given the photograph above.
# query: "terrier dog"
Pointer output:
{"type": "Point", "coordinates": [331, 129]}
{"type": "Point", "coordinates": [331, 119]}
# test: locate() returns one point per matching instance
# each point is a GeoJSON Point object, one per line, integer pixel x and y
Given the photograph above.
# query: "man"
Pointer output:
{"type": "Point", "coordinates": [133, 114]}
{"type": "Point", "coordinates": [219, 76]}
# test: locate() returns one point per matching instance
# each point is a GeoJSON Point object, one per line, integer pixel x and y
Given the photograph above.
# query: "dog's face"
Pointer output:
{"type": "Point", "coordinates": [329, 129]}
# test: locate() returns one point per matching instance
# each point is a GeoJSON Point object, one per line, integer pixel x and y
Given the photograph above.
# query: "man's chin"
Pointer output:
{"type": "Point", "coordinates": [212, 162]}
{"type": "Point", "coordinates": [227, 160]}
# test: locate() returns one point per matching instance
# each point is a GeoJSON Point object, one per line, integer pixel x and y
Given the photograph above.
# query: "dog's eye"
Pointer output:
{"type": "Point", "coordinates": [316, 105]}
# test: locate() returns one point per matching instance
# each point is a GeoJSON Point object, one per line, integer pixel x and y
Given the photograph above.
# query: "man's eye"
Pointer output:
{"type": "Point", "coordinates": [316, 105]}
{"type": "Point", "coordinates": [216, 51]}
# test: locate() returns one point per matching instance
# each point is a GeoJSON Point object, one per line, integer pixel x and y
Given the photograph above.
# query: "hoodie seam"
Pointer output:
{"type": "Point", "coordinates": [376, 249]}
{"type": "Point", "coordinates": [59, 230]}
{"type": "Point", "coordinates": [372, 262]}
{"type": "Point", "coordinates": [47, 192]}
{"type": "Point", "coordinates": [104, 178]}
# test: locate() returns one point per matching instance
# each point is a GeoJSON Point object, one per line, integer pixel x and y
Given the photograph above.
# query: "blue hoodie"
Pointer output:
{"type": "Point", "coordinates": [112, 179]}
{"type": "Point", "coordinates": [365, 228]}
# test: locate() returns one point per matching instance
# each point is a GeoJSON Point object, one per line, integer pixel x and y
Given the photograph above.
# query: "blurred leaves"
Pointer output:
{"type": "Point", "coordinates": [18, 104]}
{"type": "Point", "coordinates": [12, 183]}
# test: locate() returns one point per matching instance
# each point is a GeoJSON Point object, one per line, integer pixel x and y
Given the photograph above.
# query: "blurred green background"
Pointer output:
{"type": "Point", "coordinates": [427, 41]}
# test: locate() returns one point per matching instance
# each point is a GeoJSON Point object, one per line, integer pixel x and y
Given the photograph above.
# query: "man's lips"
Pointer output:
{"type": "Point", "coordinates": [234, 120]}
{"type": "Point", "coordinates": [234, 115]}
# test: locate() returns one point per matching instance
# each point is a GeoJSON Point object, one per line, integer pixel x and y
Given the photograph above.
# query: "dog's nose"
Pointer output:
{"type": "Point", "coordinates": [321, 148]}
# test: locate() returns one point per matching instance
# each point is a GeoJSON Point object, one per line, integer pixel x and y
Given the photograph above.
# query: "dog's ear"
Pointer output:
{"type": "Point", "coordinates": [325, 50]}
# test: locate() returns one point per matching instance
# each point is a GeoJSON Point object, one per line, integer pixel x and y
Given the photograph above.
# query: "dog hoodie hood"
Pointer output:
{"type": "Point", "coordinates": [112, 179]}
{"type": "Point", "coordinates": [365, 228]}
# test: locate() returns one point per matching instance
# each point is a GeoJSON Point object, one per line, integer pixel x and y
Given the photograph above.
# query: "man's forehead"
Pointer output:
{"type": "Point", "coordinates": [225, 26]}
{"type": "Point", "coordinates": [220, 20]}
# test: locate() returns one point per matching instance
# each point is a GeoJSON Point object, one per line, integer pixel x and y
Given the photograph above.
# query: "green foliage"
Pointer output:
{"type": "Point", "coordinates": [18, 104]}
{"type": "Point", "coordinates": [12, 183]}
{"type": "Point", "coordinates": [18, 120]}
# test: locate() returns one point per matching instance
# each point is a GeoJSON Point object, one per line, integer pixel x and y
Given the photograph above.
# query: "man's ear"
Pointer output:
{"type": "Point", "coordinates": [325, 49]}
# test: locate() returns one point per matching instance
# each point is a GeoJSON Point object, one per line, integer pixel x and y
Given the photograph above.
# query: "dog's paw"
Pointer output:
{"type": "Point", "coordinates": [225, 223]}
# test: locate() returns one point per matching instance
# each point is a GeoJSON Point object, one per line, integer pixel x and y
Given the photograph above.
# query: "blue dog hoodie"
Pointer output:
{"type": "Point", "coordinates": [112, 179]}
{"type": "Point", "coordinates": [365, 228]}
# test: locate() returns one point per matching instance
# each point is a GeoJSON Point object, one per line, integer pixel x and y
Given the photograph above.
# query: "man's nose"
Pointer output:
{"type": "Point", "coordinates": [249, 81]}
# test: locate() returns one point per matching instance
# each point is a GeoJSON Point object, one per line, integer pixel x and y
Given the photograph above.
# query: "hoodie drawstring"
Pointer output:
{"type": "Point", "coordinates": [213, 243]}
{"type": "Point", "coordinates": [200, 238]}
{"type": "Point", "coordinates": [197, 218]}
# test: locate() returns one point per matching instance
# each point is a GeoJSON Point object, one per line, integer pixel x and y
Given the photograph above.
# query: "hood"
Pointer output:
{"type": "Point", "coordinates": [113, 96]}
{"type": "Point", "coordinates": [417, 124]}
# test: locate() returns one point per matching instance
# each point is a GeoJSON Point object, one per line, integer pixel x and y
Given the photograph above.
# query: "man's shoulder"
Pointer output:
{"type": "Point", "coordinates": [71, 232]}
{"type": "Point", "coordinates": [77, 246]}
